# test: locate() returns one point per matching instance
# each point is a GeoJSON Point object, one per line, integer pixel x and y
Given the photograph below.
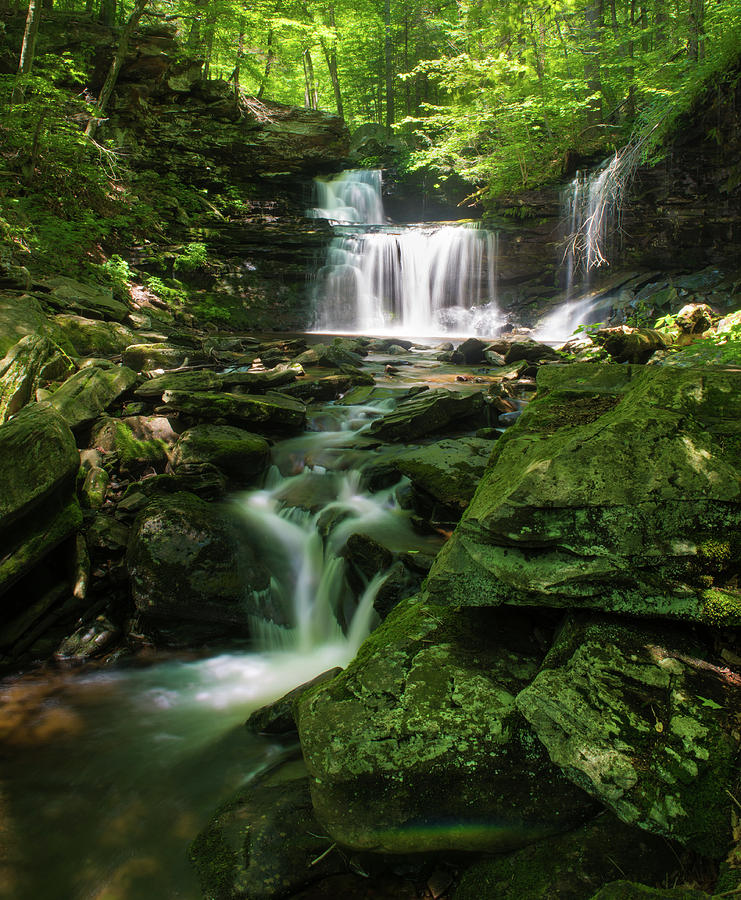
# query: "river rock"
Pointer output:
{"type": "Point", "coordinates": [265, 843]}
{"type": "Point", "coordinates": [278, 717]}
{"type": "Point", "coordinates": [91, 391]}
{"type": "Point", "coordinates": [193, 574]}
{"type": "Point", "coordinates": [417, 746]}
{"type": "Point", "coordinates": [259, 382]}
{"type": "Point", "coordinates": [240, 455]}
{"type": "Point", "coordinates": [89, 300]}
{"type": "Point", "coordinates": [444, 475]}
{"type": "Point", "coordinates": [618, 489]}
{"type": "Point", "coordinates": [271, 411]}
{"type": "Point", "coordinates": [428, 413]}
{"type": "Point", "coordinates": [149, 357]}
{"type": "Point", "coordinates": [644, 721]}
{"type": "Point", "coordinates": [470, 352]}
{"type": "Point", "coordinates": [200, 380]}
{"type": "Point", "coordinates": [38, 510]}
{"type": "Point", "coordinates": [91, 337]}
{"type": "Point", "coordinates": [31, 363]}
{"type": "Point", "coordinates": [571, 866]}
{"type": "Point", "coordinates": [88, 641]}
{"type": "Point", "coordinates": [529, 351]}
{"type": "Point", "coordinates": [137, 441]}
{"type": "Point", "coordinates": [633, 345]}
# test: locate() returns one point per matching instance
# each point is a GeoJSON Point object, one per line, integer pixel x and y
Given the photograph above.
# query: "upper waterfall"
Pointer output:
{"type": "Point", "coordinates": [420, 280]}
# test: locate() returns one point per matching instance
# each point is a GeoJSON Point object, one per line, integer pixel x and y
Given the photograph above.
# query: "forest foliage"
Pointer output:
{"type": "Point", "coordinates": [500, 92]}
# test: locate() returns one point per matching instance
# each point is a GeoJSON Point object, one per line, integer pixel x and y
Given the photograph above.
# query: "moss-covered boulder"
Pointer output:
{"type": "Point", "coordinates": [136, 441]}
{"type": "Point", "coordinates": [20, 315]}
{"type": "Point", "coordinates": [644, 721]}
{"type": "Point", "coordinates": [271, 412]}
{"type": "Point", "coordinates": [89, 300]}
{"type": "Point", "coordinates": [91, 391]}
{"type": "Point", "coordinates": [618, 489]}
{"type": "Point", "coordinates": [193, 574]}
{"type": "Point", "coordinates": [632, 345]}
{"type": "Point", "coordinates": [239, 454]}
{"type": "Point", "coordinates": [199, 380]}
{"type": "Point", "coordinates": [444, 475]}
{"type": "Point", "coordinates": [148, 357]}
{"type": "Point", "coordinates": [91, 337]}
{"type": "Point", "coordinates": [431, 412]}
{"type": "Point", "coordinates": [418, 746]}
{"type": "Point", "coordinates": [30, 364]}
{"type": "Point", "coordinates": [38, 510]}
{"type": "Point", "coordinates": [571, 866]}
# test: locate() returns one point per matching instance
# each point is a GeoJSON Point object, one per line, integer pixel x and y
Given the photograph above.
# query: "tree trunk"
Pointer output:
{"type": "Point", "coordinates": [107, 15]}
{"type": "Point", "coordinates": [311, 97]}
{"type": "Point", "coordinates": [592, 65]}
{"type": "Point", "coordinates": [268, 64]}
{"type": "Point", "coordinates": [330, 55]}
{"type": "Point", "coordinates": [28, 48]}
{"type": "Point", "coordinates": [694, 42]}
{"type": "Point", "coordinates": [240, 54]}
{"type": "Point", "coordinates": [389, 65]}
{"type": "Point", "coordinates": [120, 55]}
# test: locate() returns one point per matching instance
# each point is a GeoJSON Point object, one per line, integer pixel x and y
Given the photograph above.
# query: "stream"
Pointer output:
{"type": "Point", "coordinates": [108, 773]}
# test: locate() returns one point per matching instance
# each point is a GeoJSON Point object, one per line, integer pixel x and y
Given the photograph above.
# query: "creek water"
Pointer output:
{"type": "Point", "coordinates": [107, 774]}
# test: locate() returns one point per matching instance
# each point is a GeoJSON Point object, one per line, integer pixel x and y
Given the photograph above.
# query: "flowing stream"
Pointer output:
{"type": "Point", "coordinates": [107, 774]}
{"type": "Point", "coordinates": [425, 280]}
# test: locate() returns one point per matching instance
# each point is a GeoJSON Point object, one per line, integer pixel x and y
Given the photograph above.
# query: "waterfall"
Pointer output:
{"type": "Point", "coordinates": [421, 280]}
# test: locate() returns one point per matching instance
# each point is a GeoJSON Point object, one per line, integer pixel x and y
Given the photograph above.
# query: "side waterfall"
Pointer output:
{"type": "Point", "coordinates": [421, 280]}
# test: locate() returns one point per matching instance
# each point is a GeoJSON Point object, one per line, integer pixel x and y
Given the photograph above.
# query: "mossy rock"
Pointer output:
{"type": "Point", "coordinates": [271, 412]}
{"type": "Point", "coordinates": [239, 454]}
{"type": "Point", "coordinates": [642, 719]}
{"type": "Point", "coordinates": [605, 494]}
{"type": "Point", "coordinates": [87, 394]}
{"type": "Point", "coordinates": [30, 364]}
{"type": "Point", "coordinates": [91, 337]}
{"type": "Point", "coordinates": [428, 413]}
{"type": "Point", "coordinates": [570, 866]}
{"type": "Point", "coordinates": [417, 745]}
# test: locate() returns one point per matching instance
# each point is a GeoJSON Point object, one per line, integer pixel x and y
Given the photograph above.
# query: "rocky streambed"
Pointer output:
{"type": "Point", "coordinates": [549, 704]}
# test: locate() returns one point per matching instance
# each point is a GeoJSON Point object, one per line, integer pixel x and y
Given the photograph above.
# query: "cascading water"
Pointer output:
{"type": "Point", "coordinates": [421, 280]}
{"type": "Point", "coordinates": [107, 776]}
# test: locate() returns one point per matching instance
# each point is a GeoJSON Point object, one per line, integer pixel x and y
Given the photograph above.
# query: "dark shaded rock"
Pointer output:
{"type": "Point", "coordinates": [470, 352]}
{"type": "Point", "coordinates": [530, 351]}
{"type": "Point", "coordinates": [270, 412]}
{"type": "Point", "coordinates": [629, 890]}
{"type": "Point", "coordinates": [367, 555]}
{"type": "Point", "coordinates": [192, 571]}
{"type": "Point", "coordinates": [570, 866]}
{"type": "Point", "coordinates": [417, 745]}
{"type": "Point", "coordinates": [38, 510]}
{"type": "Point", "coordinates": [91, 391]}
{"type": "Point", "coordinates": [88, 641]}
{"type": "Point", "coordinates": [642, 720]}
{"type": "Point", "coordinates": [618, 489]}
{"type": "Point", "coordinates": [240, 455]}
{"type": "Point", "coordinates": [430, 412]}
{"type": "Point", "coordinates": [278, 717]}
{"type": "Point", "coordinates": [265, 843]}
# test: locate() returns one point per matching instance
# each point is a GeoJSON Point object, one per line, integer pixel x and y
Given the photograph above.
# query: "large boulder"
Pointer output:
{"type": "Point", "coordinates": [430, 412]}
{"type": "Point", "coordinates": [33, 362]}
{"type": "Point", "coordinates": [198, 380]}
{"type": "Point", "coordinates": [193, 574]}
{"type": "Point", "coordinates": [22, 314]}
{"type": "Point", "coordinates": [418, 746]}
{"type": "Point", "coordinates": [38, 509]}
{"type": "Point", "coordinates": [91, 391]}
{"type": "Point", "coordinates": [240, 455]}
{"type": "Point", "coordinates": [91, 337]}
{"type": "Point", "coordinates": [271, 411]}
{"type": "Point", "coordinates": [89, 300]}
{"type": "Point", "coordinates": [149, 357]}
{"type": "Point", "coordinates": [642, 719]}
{"type": "Point", "coordinates": [618, 489]}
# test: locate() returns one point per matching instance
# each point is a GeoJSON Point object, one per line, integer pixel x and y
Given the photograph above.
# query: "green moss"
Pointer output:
{"type": "Point", "coordinates": [130, 449]}
{"type": "Point", "coordinates": [215, 863]}
{"type": "Point", "coordinates": [722, 606]}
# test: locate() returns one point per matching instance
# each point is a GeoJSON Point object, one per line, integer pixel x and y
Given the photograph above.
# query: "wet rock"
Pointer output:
{"type": "Point", "coordinates": [633, 345]}
{"type": "Point", "coordinates": [571, 866]}
{"type": "Point", "coordinates": [88, 641]}
{"type": "Point", "coordinates": [529, 351]}
{"type": "Point", "coordinates": [91, 391]}
{"type": "Point", "coordinates": [327, 387]}
{"type": "Point", "coordinates": [193, 574]}
{"type": "Point", "coordinates": [493, 358]}
{"type": "Point", "coordinates": [429, 413]}
{"type": "Point", "coordinates": [91, 337]}
{"type": "Point", "coordinates": [338, 355]}
{"type": "Point", "coordinates": [34, 361]}
{"type": "Point", "coordinates": [444, 475]}
{"type": "Point", "coordinates": [265, 843]}
{"type": "Point", "coordinates": [618, 489]}
{"type": "Point", "coordinates": [278, 717]}
{"type": "Point", "coordinates": [38, 510]}
{"type": "Point", "coordinates": [367, 555]}
{"type": "Point", "coordinates": [417, 746]}
{"type": "Point", "coordinates": [470, 352]}
{"type": "Point", "coordinates": [641, 719]}
{"type": "Point", "coordinates": [90, 300]}
{"type": "Point", "coordinates": [240, 455]}
{"type": "Point", "coordinates": [271, 412]}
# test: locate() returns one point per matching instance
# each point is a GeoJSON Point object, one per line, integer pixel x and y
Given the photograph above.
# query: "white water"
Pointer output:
{"type": "Point", "coordinates": [425, 280]}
